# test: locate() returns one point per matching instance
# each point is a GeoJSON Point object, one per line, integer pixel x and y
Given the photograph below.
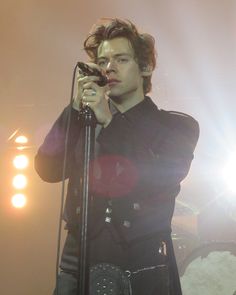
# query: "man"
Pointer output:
{"type": "Point", "coordinates": [142, 155]}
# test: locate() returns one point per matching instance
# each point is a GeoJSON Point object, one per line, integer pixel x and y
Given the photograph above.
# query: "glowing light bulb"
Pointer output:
{"type": "Point", "coordinates": [18, 200]}
{"type": "Point", "coordinates": [19, 181]}
{"type": "Point", "coordinates": [21, 161]}
{"type": "Point", "coordinates": [21, 139]}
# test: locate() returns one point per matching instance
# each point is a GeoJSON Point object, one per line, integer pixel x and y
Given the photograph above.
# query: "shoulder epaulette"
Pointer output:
{"type": "Point", "coordinates": [177, 114]}
{"type": "Point", "coordinates": [175, 119]}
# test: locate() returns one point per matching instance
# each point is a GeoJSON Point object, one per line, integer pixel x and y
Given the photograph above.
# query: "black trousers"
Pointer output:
{"type": "Point", "coordinates": [149, 270]}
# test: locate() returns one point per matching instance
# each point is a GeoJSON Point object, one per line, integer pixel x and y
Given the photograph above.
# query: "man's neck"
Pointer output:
{"type": "Point", "coordinates": [124, 105]}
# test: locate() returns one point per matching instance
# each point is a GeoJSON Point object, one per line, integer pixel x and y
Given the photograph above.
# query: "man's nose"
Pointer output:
{"type": "Point", "coordinates": [111, 66]}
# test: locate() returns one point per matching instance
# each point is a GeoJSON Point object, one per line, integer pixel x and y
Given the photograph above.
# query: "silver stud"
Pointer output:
{"type": "Point", "coordinates": [108, 219]}
{"type": "Point", "coordinates": [108, 210]}
{"type": "Point", "coordinates": [126, 223]}
{"type": "Point", "coordinates": [136, 206]}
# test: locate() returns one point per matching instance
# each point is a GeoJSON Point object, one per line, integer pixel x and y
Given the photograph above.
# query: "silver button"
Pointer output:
{"type": "Point", "coordinates": [108, 219]}
{"type": "Point", "coordinates": [136, 206]}
{"type": "Point", "coordinates": [108, 210]}
{"type": "Point", "coordinates": [126, 223]}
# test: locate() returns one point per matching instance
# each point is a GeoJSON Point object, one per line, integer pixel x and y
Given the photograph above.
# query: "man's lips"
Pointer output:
{"type": "Point", "coordinates": [112, 81]}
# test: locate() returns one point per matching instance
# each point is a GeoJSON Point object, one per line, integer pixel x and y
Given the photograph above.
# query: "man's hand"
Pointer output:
{"type": "Point", "coordinates": [92, 95]}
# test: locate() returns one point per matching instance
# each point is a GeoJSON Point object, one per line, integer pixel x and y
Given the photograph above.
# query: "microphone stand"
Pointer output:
{"type": "Point", "coordinates": [88, 122]}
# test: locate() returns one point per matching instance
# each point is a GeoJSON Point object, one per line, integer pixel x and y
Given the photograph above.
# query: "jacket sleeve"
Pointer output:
{"type": "Point", "coordinates": [49, 159]}
{"type": "Point", "coordinates": [167, 161]}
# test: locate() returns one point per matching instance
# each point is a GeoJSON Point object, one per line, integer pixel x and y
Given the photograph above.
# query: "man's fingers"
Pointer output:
{"type": "Point", "coordinates": [87, 79]}
{"type": "Point", "coordinates": [89, 92]}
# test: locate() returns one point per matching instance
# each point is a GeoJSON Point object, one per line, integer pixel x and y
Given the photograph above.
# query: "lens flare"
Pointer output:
{"type": "Point", "coordinates": [229, 173]}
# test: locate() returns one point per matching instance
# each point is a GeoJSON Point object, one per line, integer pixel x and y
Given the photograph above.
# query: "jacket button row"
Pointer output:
{"type": "Point", "coordinates": [108, 217]}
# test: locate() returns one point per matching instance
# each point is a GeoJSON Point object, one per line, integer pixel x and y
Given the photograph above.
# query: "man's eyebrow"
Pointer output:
{"type": "Point", "coordinates": [116, 55]}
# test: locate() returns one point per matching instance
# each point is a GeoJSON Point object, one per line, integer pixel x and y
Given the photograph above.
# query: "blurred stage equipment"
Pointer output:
{"type": "Point", "coordinates": [205, 248]}
{"type": "Point", "coordinates": [210, 270]}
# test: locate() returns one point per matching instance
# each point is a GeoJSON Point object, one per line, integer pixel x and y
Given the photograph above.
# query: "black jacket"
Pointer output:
{"type": "Point", "coordinates": [142, 156]}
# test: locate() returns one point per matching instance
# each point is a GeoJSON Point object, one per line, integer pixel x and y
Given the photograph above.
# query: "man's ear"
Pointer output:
{"type": "Point", "coordinates": [147, 71]}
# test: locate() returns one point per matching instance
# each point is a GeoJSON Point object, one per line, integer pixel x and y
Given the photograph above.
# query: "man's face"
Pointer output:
{"type": "Point", "coordinates": [116, 58]}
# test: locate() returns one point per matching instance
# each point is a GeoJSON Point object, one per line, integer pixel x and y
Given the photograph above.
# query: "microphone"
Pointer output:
{"type": "Point", "coordinates": [88, 71]}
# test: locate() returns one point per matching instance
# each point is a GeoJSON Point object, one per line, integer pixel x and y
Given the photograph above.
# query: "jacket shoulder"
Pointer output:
{"type": "Point", "coordinates": [181, 123]}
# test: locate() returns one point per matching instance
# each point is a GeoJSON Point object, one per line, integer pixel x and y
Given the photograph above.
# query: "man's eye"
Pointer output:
{"type": "Point", "coordinates": [102, 63]}
{"type": "Point", "coordinates": [122, 60]}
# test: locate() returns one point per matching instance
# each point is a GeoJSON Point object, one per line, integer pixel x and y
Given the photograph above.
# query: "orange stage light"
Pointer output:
{"type": "Point", "coordinates": [21, 161]}
{"type": "Point", "coordinates": [19, 200]}
{"type": "Point", "coordinates": [19, 181]}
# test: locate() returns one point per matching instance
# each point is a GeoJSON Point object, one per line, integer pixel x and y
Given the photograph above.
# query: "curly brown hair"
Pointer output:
{"type": "Point", "coordinates": [142, 43]}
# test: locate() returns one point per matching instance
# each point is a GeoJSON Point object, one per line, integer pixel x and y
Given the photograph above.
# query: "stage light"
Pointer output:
{"type": "Point", "coordinates": [21, 161]}
{"type": "Point", "coordinates": [19, 181]}
{"type": "Point", "coordinates": [18, 200]}
{"type": "Point", "coordinates": [21, 139]}
{"type": "Point", "coordinates": [229, 173]}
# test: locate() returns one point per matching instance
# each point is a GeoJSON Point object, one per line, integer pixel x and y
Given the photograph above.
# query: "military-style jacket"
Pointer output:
{"type": "Point", "coordinates": [141, 158]}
